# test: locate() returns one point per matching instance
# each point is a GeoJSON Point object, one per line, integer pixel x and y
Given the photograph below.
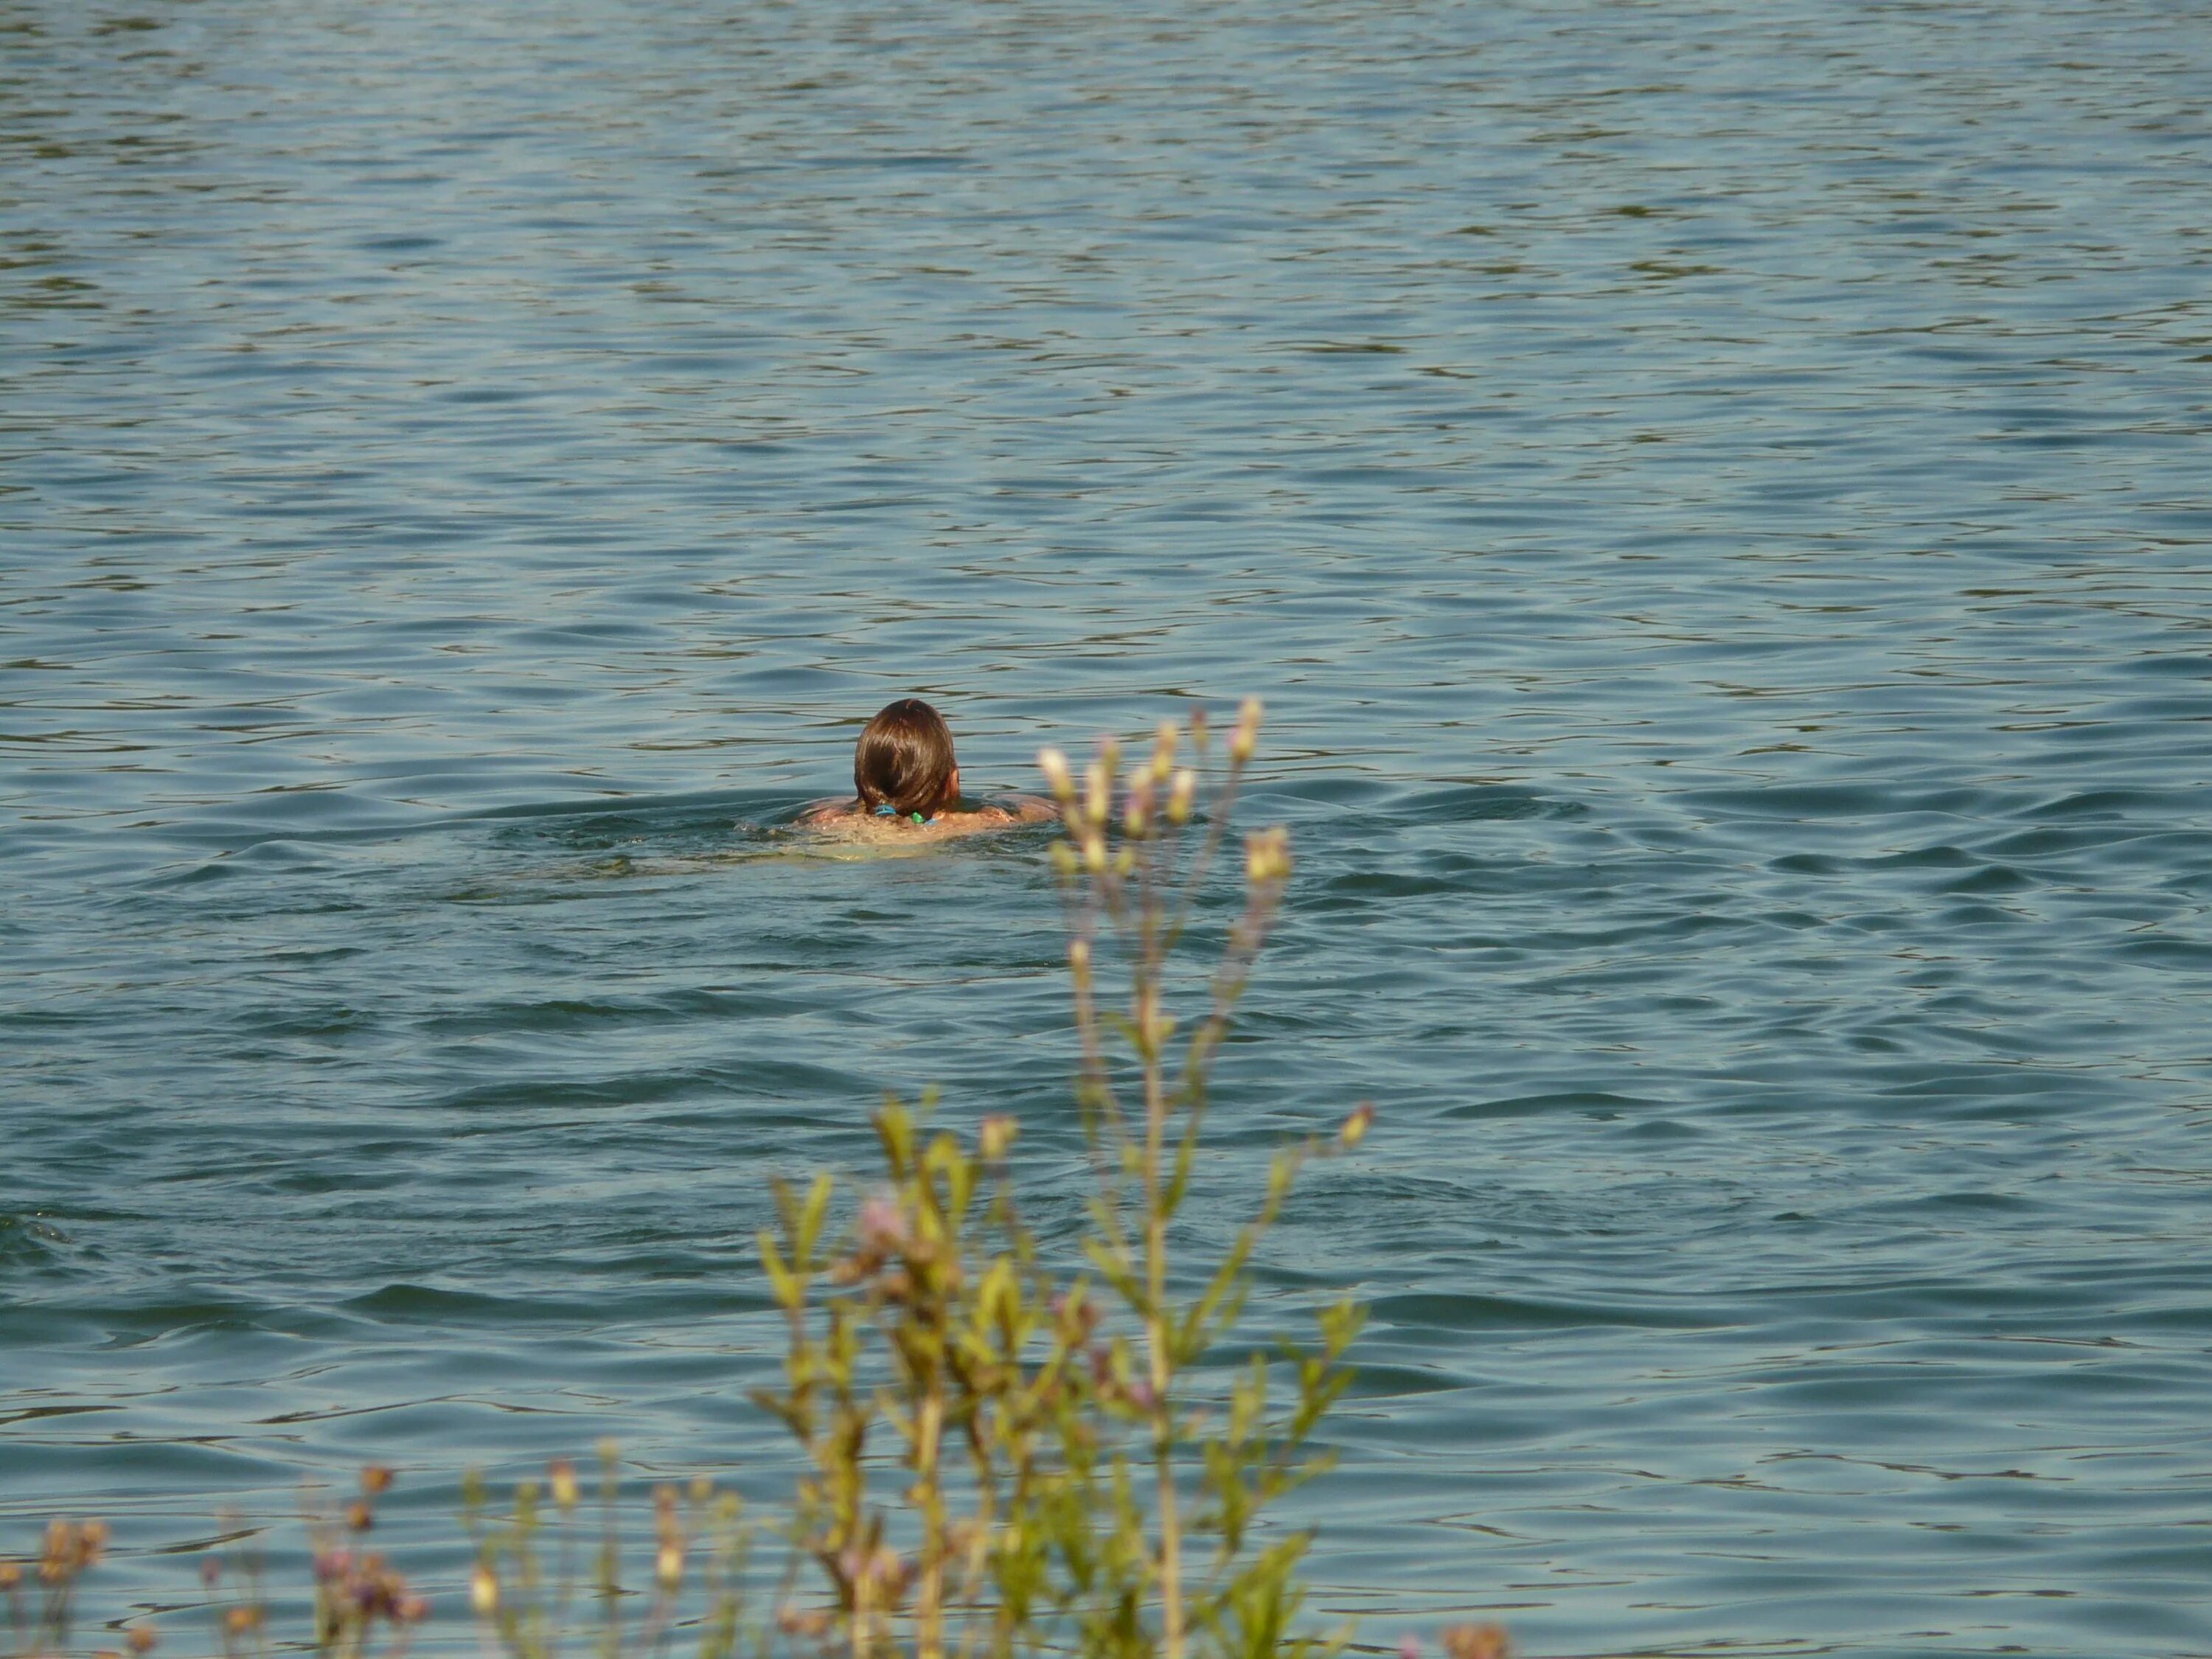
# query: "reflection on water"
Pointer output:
{"type": "Point", "coordinates": [1712, 494]}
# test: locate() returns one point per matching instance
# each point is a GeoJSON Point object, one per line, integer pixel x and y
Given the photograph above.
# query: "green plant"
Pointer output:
{"type": "Point", "coordinates": [1068, 1484]}
{"type": "Point", "coordinates": [530, 1605]}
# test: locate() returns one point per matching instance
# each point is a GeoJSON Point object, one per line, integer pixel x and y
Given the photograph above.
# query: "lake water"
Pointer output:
{"type": "Point", "coordinates": [1714, 493]}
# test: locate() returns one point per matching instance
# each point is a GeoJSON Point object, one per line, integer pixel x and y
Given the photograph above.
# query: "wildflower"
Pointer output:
{"type": "Point", "coordinates": [1076, 1315]}
{"type": "Point", "coordinates": [11, 1575]}
{"type": "Point", "coordinates": [1139, 811]}
{"type": "Point", "coordinates": [240, 1621]}
{"type": "Point", "coordinates": [668, 1565]}
{"type": "Point", "coordinates": [1246, 738]}
{"type": "Point", "coordinates": [1267, 855]}
{"type": "Point", "coordinates": [798, 1621]}
{"type": "Point", "coordinates": [359, 1516]}
{"type": "Point", "coordinates": [878, 1575]}
{"type": "Point", "coordinates": [412, 1609]}
{"type": "Point", "coordinates": [1053, 765]}
{"type": "Point", "coordinates": [1478, 1641]}
{"type": "Point", "coordinates": [1181, 795]}
{"type": "Point", "coordinates": [1096, 785]}
{"type": "Point", "coordinates": [1164, 750]}
{"type": "Point", "coordinates": [1356, 1127]}
{"type": "Point", "coordinates": [1409, 1647]}
{"type": "Point", "coordinates": [375, 1479]}
{"type": "Point", "coordinates": [883, 1227]}
{"type": "Point", "coordinates": [142, 1639]}
{"type": "Point", "coordinates": [852, 1565]}
{"type": "Point", "coordinates": [483, 1592]}
{"type": "Point", "coordinates": [887, 1570]}
{"type": "Point", "coordinates": [70, 1547]}
{"type": "Point", "coordinates": [995, 1136]}
{"type": "Point", "coordinates": [211, 1571]}
{"type": "Point", "coordinates": [563, 1476]}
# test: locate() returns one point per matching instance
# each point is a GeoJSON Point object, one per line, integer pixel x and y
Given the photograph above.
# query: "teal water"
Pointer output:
{"type": "Point", "coordinates": [1712, 493]}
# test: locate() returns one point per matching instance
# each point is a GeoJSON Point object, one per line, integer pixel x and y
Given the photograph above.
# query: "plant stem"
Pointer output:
{"type": "Point", "coordinates": [929, 1605]}
{"type": "Point", "coordinates": [1159, 1327]}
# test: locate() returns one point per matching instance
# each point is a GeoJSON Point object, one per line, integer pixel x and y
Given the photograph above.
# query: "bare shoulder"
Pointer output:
{"type": "Point", "coordinates": [1004, 813]}
{"type": "Point", "coordinates": [1026, 809]}
{"type": "Point", "coordinates": [846, 820]}
{"type": "Point", "coordinates": [820, 814]}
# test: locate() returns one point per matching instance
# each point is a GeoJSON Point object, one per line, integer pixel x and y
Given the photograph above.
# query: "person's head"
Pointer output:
{"type": "Point", "coordinates": [904, 761]}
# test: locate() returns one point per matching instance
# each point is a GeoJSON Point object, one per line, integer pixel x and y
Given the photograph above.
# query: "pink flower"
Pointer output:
{"type": "Point", "coordinates": [883, 1227]}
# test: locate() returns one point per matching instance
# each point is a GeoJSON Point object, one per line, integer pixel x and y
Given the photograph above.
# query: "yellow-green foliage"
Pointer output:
{"type": "Point", "coordinates": [1065, 1484]}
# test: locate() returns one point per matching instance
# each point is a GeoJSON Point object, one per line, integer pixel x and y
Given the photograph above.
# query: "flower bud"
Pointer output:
{"type": "Point", "coordinates": [563, 1473]}
{"type": "Point", "coordinates": [1079, 955]}
{"type": "Point", "coordinates": [1139, 804]}
{"type": "Point", "coordinates": [483, 1592]}
{"type": "Point", "coordinates": [1181, 795]}
{"type": "Point", "coordinates": [996, 1136]}
{"type": "Point", "coordinates": [1478, 1641]}
{"type": "Point", "coordinates": [1267, 855]}
{"type": "Point", "coordinates": [886, 1569]}
{"type": "Point", "coordinates": [1356, 1127]}
{"type": "Point", "coordinates": [668, 1566]}
{"type": "Point", "coordinates": [883, 1227]}
{"type": "Point", "coordinates": [1053, 765]}
{"type": "Point", "coordinates": [375, 1479]}
{"type": "Point", "coordinates": [1097, 784]}
{"type": "Point", "coordinates": [1246, 738]}
{"type": "Point", "coordinates": [1094, 854]}
{"type": "Point", "coordinates": [1164, 750]}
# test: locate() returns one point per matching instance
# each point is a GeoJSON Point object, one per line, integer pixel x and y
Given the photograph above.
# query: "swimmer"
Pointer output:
{"type": "Point", "coordinates": [906, 784]}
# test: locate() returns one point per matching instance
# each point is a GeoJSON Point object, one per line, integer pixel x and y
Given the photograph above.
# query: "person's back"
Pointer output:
{"type": "Point", "coordinates": [906, 784]}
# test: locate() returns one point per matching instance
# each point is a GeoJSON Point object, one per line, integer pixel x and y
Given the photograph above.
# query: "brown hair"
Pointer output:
{"type": "Point", "coordinates": [904, 759]}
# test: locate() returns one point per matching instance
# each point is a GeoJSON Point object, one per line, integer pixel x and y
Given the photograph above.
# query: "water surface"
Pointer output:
{"type": "Point", "coordinates": [1713, 494]}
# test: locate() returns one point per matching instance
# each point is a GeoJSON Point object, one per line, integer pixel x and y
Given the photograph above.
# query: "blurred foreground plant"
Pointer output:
{"type": "Point", "coordinates": [529, 1581]}
{"type": "Point", "coordinates": [359, 1597]}
{"type": "Point", "coordinates": [1068, 1487]}
{"type": "Point", "coordinates": [41, 1594]}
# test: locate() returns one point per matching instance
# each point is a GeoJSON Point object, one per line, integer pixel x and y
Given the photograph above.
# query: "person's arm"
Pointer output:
{"type": "Point", "coordinates": [1027, 809]}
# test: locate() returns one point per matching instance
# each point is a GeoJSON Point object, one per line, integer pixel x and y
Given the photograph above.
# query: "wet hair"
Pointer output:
{"type": "Point", "coordinates": [904, 759]}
